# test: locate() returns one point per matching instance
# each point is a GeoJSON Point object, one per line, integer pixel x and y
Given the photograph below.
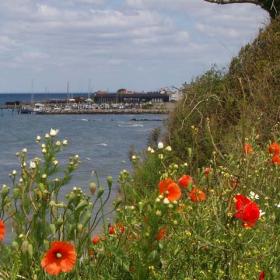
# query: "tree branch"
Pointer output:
{"type": "Point", "coordinates": [256, 2]}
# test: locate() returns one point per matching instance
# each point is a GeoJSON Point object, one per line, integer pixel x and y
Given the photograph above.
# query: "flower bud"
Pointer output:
{"type": "Point", "coordinates": [52, 228]}
{"type": "Point", "coordinates": [24, 246]}
{"type": "Point", "coordinates": [100, 192]}
{"type": "Point", "coordinates": [110, 181]}
{"type": "Point", "coordinates": [30, 250]}
{"type": "Point", "coordinates": [92, 187]}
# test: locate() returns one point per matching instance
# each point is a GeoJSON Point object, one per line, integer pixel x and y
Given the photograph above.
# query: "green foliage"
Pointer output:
{"type": "Point", "coordinates": [218, 106]}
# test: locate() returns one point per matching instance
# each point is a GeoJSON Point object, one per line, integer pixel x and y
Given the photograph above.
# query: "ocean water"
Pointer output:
{"type": "Point", "coordinates": [101, 141]}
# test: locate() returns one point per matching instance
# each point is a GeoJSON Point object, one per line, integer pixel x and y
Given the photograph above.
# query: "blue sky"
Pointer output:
{"type": "Point", "coordinates": [136, 44]}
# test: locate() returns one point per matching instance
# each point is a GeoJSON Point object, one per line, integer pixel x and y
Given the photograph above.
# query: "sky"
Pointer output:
{"type": "Point", "coordinates": [112, 44]}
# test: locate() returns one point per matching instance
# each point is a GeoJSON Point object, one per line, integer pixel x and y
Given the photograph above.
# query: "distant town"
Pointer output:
{"type": "Point", "coordinates": [101, 102]}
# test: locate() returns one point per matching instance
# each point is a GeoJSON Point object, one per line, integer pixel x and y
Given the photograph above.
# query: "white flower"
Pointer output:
{"type": "Point", "coordinates": [55, 162]}
{"type": "Point", "coordinates": [47, 136]}
{"type": "Point", "coordinates": [160, 145]}
{"type": "Point", "coordinates": [14, 172]}
{"type": "Point", "coordinates": [134, 157]}
{"type": "Point", "coordinates": [58, 143]}
{"type": "Point", "coordinates": [253, 195]}
{"type": "Point", "coordinates": [160, 156]}
{"type": "Point", "coordinates": [261, 213]}
{"type": "Point", "coordinates": [158, 213]}
{"type": "Point", "coordinates": [24, 150]}
{"type": "Point", "coordinates": [65, 142]}
{"type": "Point", "coordinates": [53, 132]}
{"type": "Point", "coordinates": [168, 148]}
{"type": "Point", "coordinates": [43, 146]}
{"type": "Point", "coordinates": [44, 176]}
{"type": "Point", "coordinates": [44, 151]}
{"type": "Point", "coordinates": [32, 165]}
{"type": "Point", "coordinates": [77, 157]}
{"type": "Point", "coordinates": [38, 138]}
{"type": "Point", "coordinates": [166, 201]}
{"type": "Point", "coordinates": [277, 205]}
{"type": "Point", "coordinates": [150, 150]}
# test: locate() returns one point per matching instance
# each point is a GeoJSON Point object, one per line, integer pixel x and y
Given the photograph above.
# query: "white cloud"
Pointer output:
{"type": "Point", "coordinates": [98, 37]}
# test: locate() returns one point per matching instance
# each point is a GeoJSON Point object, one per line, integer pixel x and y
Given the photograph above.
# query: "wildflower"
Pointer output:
{"type": "Point", "coordinates": [53, 132]}
{"type": "Point", "coordinates": [174, 192]}
{"type": "Point", "coordinates": [277, 205]}
{"type": "Point", "coordinates": [95, 239]}
{"type": "Point", "coordinates": [274, 148]}
{"type": "Point", "coordinates": [2, 230]}
{"type": "Point", "coordinates": [120, 227]}
{"type": "Point", "coordinates": [163, 184]}
{"type": "Point", "coordinates": [166, 201]}
{"type": "Point", "coordinates": [160, 156]}
{"type": "Point", "coordinates": [197, 195]}
{"type": "Point", "coordinates": [248, 149]}
{"type": "Point", "coordinates": [168, 148]}
{"type": "Point", "coordinates": [262, 213]}
{"type": "Point", "coordinates": [161, 233]}
{"type": "Point", "coordinates": [185, 181]}
{"type": "Point", "coordinates": [38, 138]}
{"type": "Point", "coordinates": [24, 150]}
{"type": "Point", "coordinates": [207, 171]}
{"type": "Point", "coordinates": [65, 142]}
{"type": "Point", "coordinates": [32, 165]}
{"type": "Point", "coordinates": [276, 159]}
{"type": "Point", "coordinates": [112, 230]}
{"type": "Point", "coordinates": [253, 195]}
{"type": "Point", "coordinates": [134, 157]}
{"type": "Point", "coordinates": [61, 257]}
{"type": "Point", "coordinates": [247, 211]}
{"type": "Point", "coordinates": [160, 145]}
{"type": "Point", "coordinates": [262, 275]}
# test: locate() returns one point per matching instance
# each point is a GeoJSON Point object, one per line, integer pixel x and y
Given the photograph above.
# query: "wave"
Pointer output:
{"type": "Point", "coordinates": [131, 125]}
{"type": "Point", "coordinates": [102, 144]}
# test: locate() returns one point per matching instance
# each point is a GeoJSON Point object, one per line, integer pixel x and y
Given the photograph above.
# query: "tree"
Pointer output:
{"type": "Point", "coordinates": [271, 6]}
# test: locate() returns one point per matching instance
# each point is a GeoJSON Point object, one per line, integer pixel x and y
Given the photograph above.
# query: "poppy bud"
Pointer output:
{"type": "Point", "coordinates": [24, 246]}
{"type": "Point", "coordinates": [92, 187]}
{"type": "Point", "coordinates": [110, 181]}
{"type": "Point", "coordinates": [30, 250]}
{"type": "Point", "coordinates": [15, 245]}
{"type": "Point", "coordinates": [100, 192]}
{"type": "Point", "coordinates": [16, 193]}
{"type": "Point", "coordinates": [52, 228]}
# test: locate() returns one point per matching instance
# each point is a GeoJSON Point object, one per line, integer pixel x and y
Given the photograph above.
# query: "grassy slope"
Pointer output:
{"type": "Point", "coordinates": [232, 103]}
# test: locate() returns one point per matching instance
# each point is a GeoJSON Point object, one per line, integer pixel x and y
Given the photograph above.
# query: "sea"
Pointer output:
{"type": "Point", "coordinates": [103, 142]}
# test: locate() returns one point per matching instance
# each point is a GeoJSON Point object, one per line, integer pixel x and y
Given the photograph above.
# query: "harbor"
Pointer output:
{"type": "Point", "coordinates": [98, 103]}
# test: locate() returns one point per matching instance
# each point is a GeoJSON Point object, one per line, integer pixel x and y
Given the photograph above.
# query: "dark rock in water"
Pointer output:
{"type": "Point", "coordinates": [146, 120]}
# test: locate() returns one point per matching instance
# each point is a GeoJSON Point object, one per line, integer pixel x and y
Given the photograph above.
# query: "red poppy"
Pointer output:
{"type": "Point", "coordinates": [174, 192]}
{"type": "Point", "coordinates": [185, 181]}
{"type": "Point", "coordinates": [95, 239]}
{"type": "Point", "coordinates": [2, 230]}
{"type": "Point", "coordinates": [248, 149]}
{"type": "Point", "coordinates": [163, 184]}
{"type": "Point", "coordinates": [262, 275]}
{"type": "Point", "coordinates": [61, 257]}
{"type": "Point", "coordinates": [120, 227]}
{"type": "Point", "coordinates": [276, 159]}
{"type": "Point", "coordinates": [112, 230]}
{"type": "Point", "coordinates": [274, 148]}
{"type": "Point", "coordinates": [161, 233]}
{"type": "Point", "coordinates": [207, 171]}
{"type": "Point", "coordinates": [247, 211]}
{"type": "Point", "coordinates": [197, 195]}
